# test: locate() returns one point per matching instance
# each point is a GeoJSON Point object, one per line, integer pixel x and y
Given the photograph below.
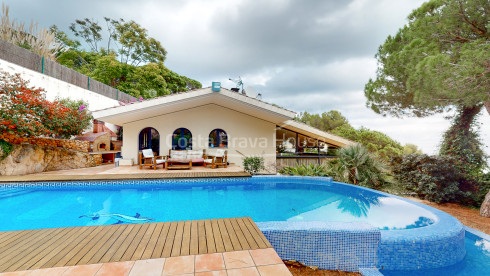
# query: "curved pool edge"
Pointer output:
{"type": "Point", "coordinates": [437, 245]}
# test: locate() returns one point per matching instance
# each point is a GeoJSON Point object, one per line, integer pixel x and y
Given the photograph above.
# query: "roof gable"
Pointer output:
{"type": "Point", "coordinates": [121, 115]}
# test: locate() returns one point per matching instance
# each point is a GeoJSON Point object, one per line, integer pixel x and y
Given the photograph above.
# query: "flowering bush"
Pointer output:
{"type": "Point", "coordinates": [24, 111]}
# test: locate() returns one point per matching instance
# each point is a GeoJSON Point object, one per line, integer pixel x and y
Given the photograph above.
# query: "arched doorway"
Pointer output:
{"type": "Point", "coordinates": [149, 138]}
{"type": "Point", "coordinates": [182, 139]}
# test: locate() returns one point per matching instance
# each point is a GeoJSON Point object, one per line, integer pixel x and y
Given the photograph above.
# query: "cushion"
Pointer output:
{"type": "Point", "coordinates": [197, 160]}
{"type": "Point", "coordinates": [208, 161]}
{"type": "Point", "coordinates": [220, 153]}
{"type": "Point", "coordinates": [173, 160]}
{"type": "Point", "coordinates": [191, 154]}
{"type": "Point", "coordinates": [178, 155]}
{"type": "Point", "coordinates": [147, 153]}
{"type": "Point", "coordinates": [160, 161]}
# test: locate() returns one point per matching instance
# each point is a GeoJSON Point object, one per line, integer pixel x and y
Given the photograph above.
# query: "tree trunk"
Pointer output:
{"type": "Point", "coordinates": [462, 142]}
{"type": "Point", "coordinates": [485, 206]}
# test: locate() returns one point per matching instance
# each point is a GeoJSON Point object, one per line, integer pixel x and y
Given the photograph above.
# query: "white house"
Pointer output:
{"type": "Point", "coordinates": [207, 119]}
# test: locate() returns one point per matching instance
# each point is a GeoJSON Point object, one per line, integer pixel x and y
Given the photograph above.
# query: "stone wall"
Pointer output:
{"type": "Point", "coordinates": [27, 159]}
{"type": "Point", "coordinates": [49, 142]}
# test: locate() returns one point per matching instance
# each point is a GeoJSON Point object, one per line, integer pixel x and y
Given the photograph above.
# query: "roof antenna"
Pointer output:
{"type": "Point", "coordinates": [239, 84]}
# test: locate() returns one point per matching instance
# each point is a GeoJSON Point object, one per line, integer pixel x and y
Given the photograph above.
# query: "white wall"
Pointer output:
{"type": "Point", "coordinates": [248, 135]}
{"type": "Point", "coordinates": [57, 88]}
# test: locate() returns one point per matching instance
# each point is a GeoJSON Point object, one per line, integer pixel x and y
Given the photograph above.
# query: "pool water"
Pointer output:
{"type": "Point", "coordinates": [31, 208]}
{"type": "Point", "coordinates": [475, 263]}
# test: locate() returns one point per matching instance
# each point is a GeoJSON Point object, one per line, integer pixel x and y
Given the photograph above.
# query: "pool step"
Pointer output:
{"type": "Point", "coordinates": [13, 192]}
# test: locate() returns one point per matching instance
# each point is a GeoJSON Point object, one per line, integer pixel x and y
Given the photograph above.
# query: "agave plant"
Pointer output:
{"type": "Point", "coordinates": [305, 170]}
{"type": "Point", "coordinates": [356, 165]}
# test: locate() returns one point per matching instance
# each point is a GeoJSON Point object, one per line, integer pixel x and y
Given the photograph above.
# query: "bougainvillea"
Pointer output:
{"type": "Point", "coordinates": [25, 111]}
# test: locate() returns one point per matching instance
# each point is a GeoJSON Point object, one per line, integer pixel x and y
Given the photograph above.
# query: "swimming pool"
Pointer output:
{"type": "Point", "coordinates": [47, 207]}
{"type": "Point", "coordinates": [364, 228]}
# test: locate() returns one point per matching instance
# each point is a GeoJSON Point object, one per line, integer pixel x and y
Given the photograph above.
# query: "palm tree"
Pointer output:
{"type": "Point", "coordinates": [356, 165]}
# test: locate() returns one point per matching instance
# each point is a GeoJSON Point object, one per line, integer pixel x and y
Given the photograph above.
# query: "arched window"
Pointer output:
{"type": "Point", "coordinates": [218, 139]}
{"type": "Point", "coordinates": [182, 139]}
{"type": "Point", "coordinates": [149, 138]}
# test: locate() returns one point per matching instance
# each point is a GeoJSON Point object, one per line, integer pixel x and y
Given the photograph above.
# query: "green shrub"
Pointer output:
{"type": "Point", "coordinates": [305, 170]}
{"type": "Point", "coordinates": [434, 178]}
{"type": "Point", "coordinates": [253, 164]}
{"type": "Point", "coordinates": [5, 149]}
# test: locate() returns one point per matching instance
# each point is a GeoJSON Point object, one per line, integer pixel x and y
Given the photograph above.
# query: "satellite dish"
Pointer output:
{"type": "Point", "coordinates": [250, 91]}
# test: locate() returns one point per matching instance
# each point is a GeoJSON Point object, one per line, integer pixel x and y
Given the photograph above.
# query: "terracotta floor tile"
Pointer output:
{"type": "Point", "coordinates": [119, 268]}
{"type": "Point", "coordinates": [179, 265]}
{"type": "Point", "coordinates": [246, 271]}
{"type": "Point", "coordinates": [266, 256]}
{"type": "Point", "coordinates": [82, 270]}
{"type": "Point", "coordinates": [274, 270]}
{"type": "Point", "coordinates": [212, 273]}
{"type": "Point", "coordinates": [238, 259]}
{"type": "Point", "coordinates": [208, 262]}
{"type": "Point", "coordinates": [152, 267]}
{"type": "Point", "coordinates": [16, 273]}
{"type": "Point", "coordinates": [55, 271]}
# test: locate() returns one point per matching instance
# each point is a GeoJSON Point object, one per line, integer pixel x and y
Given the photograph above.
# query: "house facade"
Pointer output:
{"type": "Point", "coordinates": [207, 119]}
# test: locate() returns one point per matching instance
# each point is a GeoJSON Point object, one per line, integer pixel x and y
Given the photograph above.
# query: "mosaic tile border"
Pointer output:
{"type": "Point", "coordinates": [329, 245]}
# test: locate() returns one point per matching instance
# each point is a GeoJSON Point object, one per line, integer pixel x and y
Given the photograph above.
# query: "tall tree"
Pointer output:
{"type": "Point", "coordinates": [439, 61]}
{"type": "Point", "coordinates": [326, 121]}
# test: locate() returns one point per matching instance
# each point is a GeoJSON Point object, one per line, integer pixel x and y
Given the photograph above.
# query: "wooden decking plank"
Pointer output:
{"type": "Point", "coordinates": [99, 245]}
{"type": "Point", "coordinates": [158, 250]}
{"type": "Point", "coordinates": [124, 246]}
{"type": "Point", "coordinates": [15, 242]}
{"type": "Point", "coordinates": [225, 236]}
{"type": "Point", "coordinates": [6, 235]}
{"type": "Point", "coordinates": [233, 236]}
{"type": "Point", "coordinates": [239, 234]}
{"type": "Point", "coordinates": [218, 240]}
{"type": "Point", "coordinates": [186, 239]}
{"type": "Point", "coordinates": [134, 244]}
{"type": "Point", "coordinates": [33, 249]}
{"type": "Point", "coordinates": [178, 240]}
{"type": "Point", "coordinates": [117, 243]}
{"type": "Point", "coordinates": [106, 246]}
{"type": "Point", "coordinates": [194, 239]}
{"type": "Point", "coordinates": [201, 230]}
{"type": "Point", "coordinates": [67, 257]}
{"type": "Point", "coordinates": [55, 250]}
{"type": "Point", "coordinates": [14, 237]}
{"type": "Point", "coordinates": [25, 261]}
{"type": "Point", "coordinates": [26, 244]}
{"type": "Point", "coordinates": [88, 246]}
{"type": "Point", "coordinates": [54, 260]}
{"type": "Point", "coordinates": [209, 237]}
{"type": "Point", "coordinates": [138, 253]}
{"type": "Point", "coordinates": [248, 236]}
{"type": "Point", "coordinates": [259, 233]}
{"type": "Point", "coordinates": [153, 241]}
{"type": "Point", "coordinates": [169, 241]}
{"type": "Point", "coordinates": [258, 240]}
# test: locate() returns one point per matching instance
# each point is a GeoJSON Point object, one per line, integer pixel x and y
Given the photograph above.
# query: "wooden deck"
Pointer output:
{"type": "Point", "coordinates": [100, 177]}
{"type": "Point", "coordinates": [54, 247]}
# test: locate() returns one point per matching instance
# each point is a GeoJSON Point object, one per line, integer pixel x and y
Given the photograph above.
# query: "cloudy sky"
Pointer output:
{"type": "Point", "coordinates": [310, 55]}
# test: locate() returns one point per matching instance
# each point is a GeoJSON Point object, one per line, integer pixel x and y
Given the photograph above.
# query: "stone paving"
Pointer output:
{"type": "Point", "coordinates": [259, 262]}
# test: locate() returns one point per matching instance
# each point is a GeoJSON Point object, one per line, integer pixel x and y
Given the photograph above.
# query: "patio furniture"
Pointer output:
{"type": "Point", "coordinates": [177, 160]}
{"type": "Point", "coordinates": [217, 158]}
{"type": "Point", "coordinates": [184, 156]}
{"type": "Point", "coordinates": [149, 159]}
